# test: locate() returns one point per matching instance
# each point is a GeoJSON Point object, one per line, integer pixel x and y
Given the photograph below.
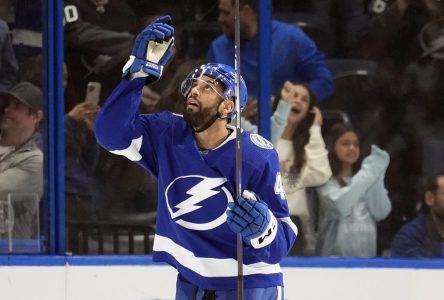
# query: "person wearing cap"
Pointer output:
{"type": "Point", "coordinates": [194, 159]}
{"type": "Point", "coordinates": [21, 161]}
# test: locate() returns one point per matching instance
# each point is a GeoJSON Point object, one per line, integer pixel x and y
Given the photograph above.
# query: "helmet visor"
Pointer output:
{"type": "Point", "coordinates": [205, 85]}
{"type": "Point", "coordinates": [201, 74]}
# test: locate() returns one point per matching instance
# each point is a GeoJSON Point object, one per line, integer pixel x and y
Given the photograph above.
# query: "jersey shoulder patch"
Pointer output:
{"type": "Point", "coordinates": [260, 141]}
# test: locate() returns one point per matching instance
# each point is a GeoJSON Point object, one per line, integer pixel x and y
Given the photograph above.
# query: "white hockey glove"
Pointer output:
{"type": "Point", "coordinates": [251, 218]}
{"type": "Point", "coordinates": [152, 49]}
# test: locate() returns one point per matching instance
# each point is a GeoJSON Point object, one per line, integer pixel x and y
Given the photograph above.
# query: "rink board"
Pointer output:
{"type": "Point", "coordinates": [138, 278]}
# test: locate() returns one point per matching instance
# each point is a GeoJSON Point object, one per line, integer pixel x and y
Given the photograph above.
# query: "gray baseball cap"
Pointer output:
{"type": "Point", "coordinates": [27, 93]}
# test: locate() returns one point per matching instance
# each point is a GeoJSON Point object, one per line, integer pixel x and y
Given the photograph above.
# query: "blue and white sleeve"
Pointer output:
{"type": "Point", "coordinates": [121, 130]}
{"type": "Point", "coordinates": [116, 126]}
{"type": "Point", "coordinates": [269, 188]}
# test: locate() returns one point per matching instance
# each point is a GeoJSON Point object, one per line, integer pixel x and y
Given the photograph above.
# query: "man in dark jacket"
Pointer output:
{"type": "Point", "coordinates": [424, 235]}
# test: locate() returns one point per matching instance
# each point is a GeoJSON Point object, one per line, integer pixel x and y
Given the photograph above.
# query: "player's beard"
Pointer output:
{"type": "Point", "coordinates": [200, 119]}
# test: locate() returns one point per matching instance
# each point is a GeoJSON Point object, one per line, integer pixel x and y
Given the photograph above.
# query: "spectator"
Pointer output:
{"type": "Point", "coordinates": [21, 161]}
{"type": "Point", "coordinates": [93, 188]}
{"type": "Point", "coordinates": [353, 200]}
{"type": "Point", "coordinates": [81, 158]}
{"type": "Point", "coordinates": [199, 240]}
{"type": "Point", "coordinates": [405, 42]}
{"type": "Point", "coordinates": [27, 29]}
{"type": "Point", "coordinates": [98, 40]}
{"type": "Point", "coordinates": [281, 110]}
{"type": "Point", "coordinates": [424, 235]}
{"type": "Point", "coordinates": [125, 188]}
{"type": "Point", "coordinates": [8, 62]}
{"type": "Point", "coordinates": [303, 159]}
{"type": "Point", "coordinates": [295, 56]}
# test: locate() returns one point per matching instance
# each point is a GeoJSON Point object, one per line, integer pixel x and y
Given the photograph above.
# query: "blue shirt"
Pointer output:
{"type": "Point", "coordinates": [194, 188]}
{"type": "Point", "coordinates": [417, 238]}
{"type": "Point", "coordinates": [81, 158]}
{"type": "Point", "coordinates": [295, 57]}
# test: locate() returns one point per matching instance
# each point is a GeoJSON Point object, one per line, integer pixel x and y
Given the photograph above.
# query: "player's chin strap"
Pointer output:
{"type": "Point", "coordinates": [213, 119]}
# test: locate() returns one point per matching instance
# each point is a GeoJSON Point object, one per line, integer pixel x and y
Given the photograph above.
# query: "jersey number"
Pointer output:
{"type": "Point", "coordinates": [279, 187]}
{"type": "Point", "coordinates": [71, 14]}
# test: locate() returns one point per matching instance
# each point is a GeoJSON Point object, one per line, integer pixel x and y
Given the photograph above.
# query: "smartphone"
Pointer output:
{"type": "Point", "coordinates": [93, 92]}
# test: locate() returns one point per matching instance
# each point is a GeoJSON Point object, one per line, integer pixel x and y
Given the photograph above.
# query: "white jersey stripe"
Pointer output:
{"type": "Point", "coordinates": [210, 267]}
{"type": "Point", "coordinates": [132, 152]}
{"type": "Point", "coordinates": [291, 224]}
{"type": "Point", "coordinates": [27, 37]}
{"type": "Point", "coordinates": [279, 293]}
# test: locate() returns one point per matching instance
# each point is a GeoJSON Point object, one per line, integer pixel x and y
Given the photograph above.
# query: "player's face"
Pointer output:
{"type": "Point", "coordinates": [347, 148]}
{"type": "Point", "coordinates": [203, 101]}
{"type": "Point", "coordinates": [300, 104]}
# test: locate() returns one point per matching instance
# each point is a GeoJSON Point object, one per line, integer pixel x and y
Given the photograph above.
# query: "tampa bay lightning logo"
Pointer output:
{"type": "Point", "coordinates": [197, 202]}
{"type": "Point", "coordinates": [260, 141]}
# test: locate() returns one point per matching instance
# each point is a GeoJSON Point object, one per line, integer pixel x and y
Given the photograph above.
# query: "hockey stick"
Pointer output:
{"type": "Point", "coordinates": [240, 255]}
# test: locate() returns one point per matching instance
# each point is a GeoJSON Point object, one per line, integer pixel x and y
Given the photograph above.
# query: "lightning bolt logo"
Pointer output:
{"type": "Point", "coordinates": [201, 191]}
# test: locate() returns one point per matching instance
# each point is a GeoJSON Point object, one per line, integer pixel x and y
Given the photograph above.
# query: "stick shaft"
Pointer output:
{"type": "Point", "coordinates": [240, 260]}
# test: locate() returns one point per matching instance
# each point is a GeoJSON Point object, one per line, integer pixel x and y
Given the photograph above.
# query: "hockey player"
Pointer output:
{"type": "Point", "coordinates": [193, 157]}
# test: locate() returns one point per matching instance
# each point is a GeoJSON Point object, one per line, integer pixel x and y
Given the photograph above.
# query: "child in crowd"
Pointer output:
{"type": "Point", "coordinates": [354, 199]}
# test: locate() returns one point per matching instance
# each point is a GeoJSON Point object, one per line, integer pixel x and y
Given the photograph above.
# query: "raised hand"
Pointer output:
{"type": "Point", "coordinates": [84, 112]}
{"type": "Point", "coordinates": [317, 120]}
{"type": "Point", "coordinates": [152, 49]}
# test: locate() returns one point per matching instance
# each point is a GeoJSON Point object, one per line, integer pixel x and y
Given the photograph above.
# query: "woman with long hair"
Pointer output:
{"type": "Point", "coordinates": [354, 199]}
{"type": "Point", "coordinates": [303, 159]}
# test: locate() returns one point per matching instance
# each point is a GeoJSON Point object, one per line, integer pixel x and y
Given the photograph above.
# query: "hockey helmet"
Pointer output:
{"type": "Point", "coordinates": [222, 73]}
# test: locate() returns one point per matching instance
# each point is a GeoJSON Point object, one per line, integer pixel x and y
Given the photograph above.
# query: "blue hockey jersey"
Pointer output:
{"type": "Point", "coordinates": [194, 189]}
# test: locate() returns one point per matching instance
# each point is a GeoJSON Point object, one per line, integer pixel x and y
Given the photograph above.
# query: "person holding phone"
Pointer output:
{"type": "Point", "coordinates": [93, 92]}
{"type": "Point", "coordinates": [81, 159]}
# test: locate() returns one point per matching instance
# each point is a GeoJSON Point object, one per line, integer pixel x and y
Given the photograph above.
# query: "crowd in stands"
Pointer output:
{"type": "Point", "coordinates": [355, 186]}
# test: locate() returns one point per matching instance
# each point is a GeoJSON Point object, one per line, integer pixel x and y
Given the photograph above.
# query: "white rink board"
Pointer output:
{"type": "Point", "coordinates": [30, 282]}
{"type": "Point", "coordinates": [121, 283]}
{"type": "Point", "coordinates": [158, 282]}
{"type": "Point", "coordinates": [363, 284]}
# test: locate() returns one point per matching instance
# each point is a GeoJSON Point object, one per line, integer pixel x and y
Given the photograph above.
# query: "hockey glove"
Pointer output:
{"type": "Point", "coordinates": [252, 219]}
{"type": "Point", "coordinates": [152, 49]}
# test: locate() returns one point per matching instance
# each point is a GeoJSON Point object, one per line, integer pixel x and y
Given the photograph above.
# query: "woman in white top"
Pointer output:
{"type": "Point", "coordinates": [303, 159]}
{"type": "Point", "coordinates": [354, 199]}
